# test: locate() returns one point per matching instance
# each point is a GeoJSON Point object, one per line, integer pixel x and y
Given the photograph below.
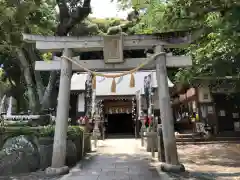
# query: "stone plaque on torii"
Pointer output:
{"type": "Point", "coordinates": [113, 61]}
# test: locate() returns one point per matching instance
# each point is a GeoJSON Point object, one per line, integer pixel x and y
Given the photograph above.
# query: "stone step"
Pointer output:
{"type": "Point", "coordinates": [198, 139]}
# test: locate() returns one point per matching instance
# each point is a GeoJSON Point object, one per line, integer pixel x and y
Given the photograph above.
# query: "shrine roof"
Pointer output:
{"type": "Point", "coordinates": [122, 88]}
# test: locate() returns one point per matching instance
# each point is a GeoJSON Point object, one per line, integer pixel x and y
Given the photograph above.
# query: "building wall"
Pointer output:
{"type": "Point", "coordinates": [204, 95]}
{"type": "Point", "coordinates": [80, 105]}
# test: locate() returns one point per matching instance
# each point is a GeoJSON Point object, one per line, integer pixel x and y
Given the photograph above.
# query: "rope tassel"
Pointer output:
{"type": "Point", "coordinates": [94, 82]}
{"type": "Point", "coordinates": [113, 87]}
{"type": "Point", "coordinates": [132, 81]}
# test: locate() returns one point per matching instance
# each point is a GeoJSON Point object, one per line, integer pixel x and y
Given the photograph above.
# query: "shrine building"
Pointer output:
{"type": "Point", "coordinates": [119, 108]}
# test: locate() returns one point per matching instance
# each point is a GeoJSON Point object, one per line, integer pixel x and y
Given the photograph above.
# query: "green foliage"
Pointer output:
{"type": "Point", "coordinates": [25, 16]}
{"type": "Point", "coordinates": [73, 131]}
{"type": "Point", "coordinates": [47, 56]}
{"type": "Point", "coordinates": [153, 20]}
{"type": "Point", "coordinates": [17, 17]}
{"type": "Point", "coordinates": [45, 131]}
{"type": "Point", "coordinates": [94, 26]}
{"type": "Point", "coordinates": [9, 132]}
{"type": "Point", "coordinates": [216, 51]}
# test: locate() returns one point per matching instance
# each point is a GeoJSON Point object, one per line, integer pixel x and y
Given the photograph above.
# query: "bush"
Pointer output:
{"type": "Point", "coordinates": [74, 131]}
{"type": "Point", "coordinates": [9, 132]}
{"type": "Point", "coordinates": [47, 131]}
{"type": "Point", "coordinates": [43, 131]}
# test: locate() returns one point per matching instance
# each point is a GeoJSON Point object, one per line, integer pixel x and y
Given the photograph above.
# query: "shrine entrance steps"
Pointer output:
{"type": "Point", "coordinates": [116, 159]}
{"type": "Point", "coordinates": [120, 136]}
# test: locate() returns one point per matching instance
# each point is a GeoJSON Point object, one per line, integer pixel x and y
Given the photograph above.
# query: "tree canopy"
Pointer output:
{"type": "Point", "coordinates": [216, 52]}
{"type": "Point", "coordinates": [60, 17]}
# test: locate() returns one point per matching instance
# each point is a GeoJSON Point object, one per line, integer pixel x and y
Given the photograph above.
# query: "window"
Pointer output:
{"type": "Point", "coordinates": [205, 96]}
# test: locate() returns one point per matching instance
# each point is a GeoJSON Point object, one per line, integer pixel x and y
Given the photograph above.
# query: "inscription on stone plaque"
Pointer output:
{"type": "Point", "coordinates": [113, 49]}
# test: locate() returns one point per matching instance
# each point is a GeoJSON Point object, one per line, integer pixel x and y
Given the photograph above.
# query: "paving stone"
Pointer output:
{"type": "Point", "coordinates": [86, 173]}
{"type": "Point", "coordinates": [140, 177]}
{"type": "Point", "coordinates": [109, 173]}
{"type": "Point", "coordinates": [82, 178]}
{"type": "Point", "coordinates": [114, 177]}
{"type": "Point", "coordinates": [118, 159]}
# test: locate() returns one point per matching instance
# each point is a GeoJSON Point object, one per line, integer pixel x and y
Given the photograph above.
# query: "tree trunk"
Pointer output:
{"type": "Point", "coordinates": [33, 101]}
{"type": "Point", "coordinates": [44, 94]}
{"type": "Point", "coordinates": [67, 22]}
{"type": "Point", "coordinates": [39, 83]}
{"type": "Point", "coordinates": [45, 102]}
{"type": "Point", "coordinates": [2, 105]}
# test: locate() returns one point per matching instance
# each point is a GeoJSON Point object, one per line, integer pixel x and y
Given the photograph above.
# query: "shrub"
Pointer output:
{"type": "Point", "coordinates": [42, 131]}
{"type": "Point", "coordinates": [47, 131]}
{"type": "Point", "coordinates": [75, 131]}
{"type": "Point", "coordinates": [9, 132]}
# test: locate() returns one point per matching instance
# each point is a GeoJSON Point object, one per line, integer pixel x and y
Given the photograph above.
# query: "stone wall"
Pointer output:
{"type": "Point", "coordinates": [27, 153]}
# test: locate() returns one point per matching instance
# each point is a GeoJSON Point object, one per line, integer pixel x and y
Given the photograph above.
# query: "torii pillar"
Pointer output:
{"type": "Point", "coordinates": [171, 156]}
{"type": "Point", "coordinates": [60, 135]}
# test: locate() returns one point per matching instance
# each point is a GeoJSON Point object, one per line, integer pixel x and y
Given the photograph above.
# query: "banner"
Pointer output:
{"type": "Point", "coordinates": [119, 110]}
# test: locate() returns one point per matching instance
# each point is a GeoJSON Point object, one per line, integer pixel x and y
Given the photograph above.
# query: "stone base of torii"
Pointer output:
{"type": "Point", "coordinates": [60, 136]}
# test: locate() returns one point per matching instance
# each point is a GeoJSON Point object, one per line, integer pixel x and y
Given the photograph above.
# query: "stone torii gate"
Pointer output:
{"type": "Point", "coordinates": [112, 47]}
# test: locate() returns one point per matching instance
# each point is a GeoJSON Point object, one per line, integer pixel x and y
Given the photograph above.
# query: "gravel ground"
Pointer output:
{"type": "Point", "coordinates": [40, 175]}
{"type": "Point", "coordinates": [211, 161]}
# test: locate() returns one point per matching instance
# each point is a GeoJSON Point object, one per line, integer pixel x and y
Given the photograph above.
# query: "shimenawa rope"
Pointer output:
{"type": "Point", "coordinates": [113, 87]}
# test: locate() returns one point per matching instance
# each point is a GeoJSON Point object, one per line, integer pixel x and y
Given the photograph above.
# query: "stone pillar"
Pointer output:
{"type": "Point", "coordinates": [95, 116]}
{"type": "Point", "coordinates": [140, 115]}
{"type": "Point", "coordinates": [142, 132]}
{"type": "Point", "coordinates": [60, 136]}
{"type": "Point", "coordinates": [93, 102]}
{"type": "Point", "coordinates": [150, 115]}
{"type": "Point", "coordinates": [171, 156]}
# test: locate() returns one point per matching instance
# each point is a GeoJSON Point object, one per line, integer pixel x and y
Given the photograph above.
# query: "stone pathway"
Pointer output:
{"type": "Point", "coordinates": [115, 159]}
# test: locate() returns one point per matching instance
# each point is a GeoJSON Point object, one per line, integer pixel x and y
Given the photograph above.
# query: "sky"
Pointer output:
{"type": "Point", "coordinates": [106, 9]}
